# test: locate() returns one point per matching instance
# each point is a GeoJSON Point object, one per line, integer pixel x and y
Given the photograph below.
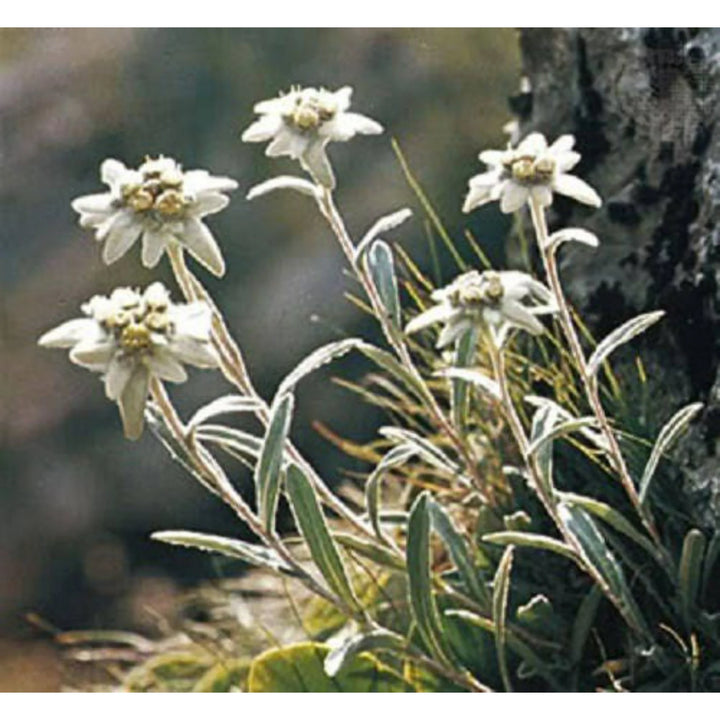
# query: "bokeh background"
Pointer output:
{"type": "Point", "coordinates": [77, 502]}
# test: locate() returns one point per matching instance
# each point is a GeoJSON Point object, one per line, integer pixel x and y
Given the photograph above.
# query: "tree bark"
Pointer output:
{"type": "Point", "coordinates": [642, 104]}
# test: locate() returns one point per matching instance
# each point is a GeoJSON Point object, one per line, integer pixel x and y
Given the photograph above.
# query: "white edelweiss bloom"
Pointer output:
{"type": "Point", "coordinates": [130, 337]}
{"type": "Point", "coordinates": [498, 301]}
{"type": "Point", "coordinates": [532, 170]}
{"type": "Point", "coordinates": [302, 122]}
{"type": "Point", "coordinates": [159, 203]}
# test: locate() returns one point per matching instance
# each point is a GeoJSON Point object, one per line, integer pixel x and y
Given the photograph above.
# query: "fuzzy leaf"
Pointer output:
{"type": "Point", "coordinates": [626, 332]}
{"type": "Point", "coordinates": [443, 525]}
{"type": "Point", "coordinates": [533, 540]}
{"type": "Point", "coordinates": [612, 517]}
{"type": "Point", "coordinates": [311, 523]}
{"type": "Point", "coordinates": [501, 590]}
{"type": "Point", "coordinates": [284, 182]}
{"type": "Point", "coordinates": [690, 572]}
{"type": "Point", "coordinates": [475, 377]}
{"type": "Point", "coordinates": [381, 267]}
{"type": "Point", "coordinates": [422, 601]}
{"type": "Point", "coordinates": [388, 362]}
{"type": "Point", "coordinates": [316, 359]}
{"type": "Point", "coordinates": [269, 467]}
{"type": "Point", "coordinates": [464, 357]}
{"type": "Point", "coordinates": [238, 549]}
{"type": "Point", "coordinates": [223, 406]}
{"type": "Point", "coordinates": [601, 563]}
{"type": "Point", "coordinates": [424, 448]}
{"type": "Point", "coordinates": [564, 427]}
{"type": "Point", "coordinates": [238, 443]}
{"type": "Point", "coordinates": [383, 225]}
{"type": "Point", "coordinates": [579, 235]}
{"type": "Point", "coordinates": [667, 436]}
{"type": "Point", "coordinates": [379, 554]}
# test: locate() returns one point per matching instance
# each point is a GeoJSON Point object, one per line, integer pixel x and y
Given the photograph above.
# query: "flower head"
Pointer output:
{"type": "Point", "coordinates": [130, 337]}
{"type": "Point", "coordinates": [302, 122]}
{"type": "Point", "coordinates": [159, 203]}
{"type": "Point", "coordinates": [532, 170]}
{"type": "Point", "coordinates": [495, 300]}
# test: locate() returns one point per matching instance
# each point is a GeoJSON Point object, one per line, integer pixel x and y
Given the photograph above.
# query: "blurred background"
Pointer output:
{"type": "Point", "coordinates": [77, 501]}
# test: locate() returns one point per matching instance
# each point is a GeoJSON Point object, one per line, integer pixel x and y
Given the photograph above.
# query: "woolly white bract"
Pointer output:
{"type": "Point", "coordinates": [302, 122]}
{"type": "Point", "coordinates": [532, 170]}
{"type": "Point", "coordinates": [498, 301]}
{"type": "Point", "coordinates": [160, 204]}
{"type": "Point", "coordinates": [131, 337]}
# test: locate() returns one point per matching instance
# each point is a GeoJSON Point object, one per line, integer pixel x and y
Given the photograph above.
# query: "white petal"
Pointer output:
{"type": "Point", "coordinates": [566, 160]}
{"type": "Point", "coordinates": [287, 142]}
{"type": "Point", "coordinates": [481, 189]}
{"type": "Point", "coordinates": [192, 352]}
{"type": "Point", "coordinates": [278, 105]}
{"type": "Point", "coordinates": [94, 355]}
{"type": "Point", "coordinates": [166, 367]}
{"type": "Point", "coordinates": [202, 246]}
{"type": "Point", "coordinates": [576, 188]}
{"type": "Point", "coordinates": [208, 204]}
{"type": "Point", "coordinates": [193, 320]}
{"type": "Point", "coordinates": [132, 402]}
{"type": "Point", "coordinates": [71, 333]}
{"type": "Point", "coordinates": [118, 375]}
{"type": "Point", "coordinates": [518, 314]}
{"type": "Point", "coordinates": [533, 144]}
{"type": "Point", "coordinates": [263, 129]}
{"type": "Point", "coordinates": [492, 157]}
{"type": "Point", "coordinates": [88, 220]}
{"type": "Point", "coordinates": [452, 332]}
{"type": "Point", "coordinates": [562, 144]}
{"type": "Point", "coordinates": [154, 243]}
{"type": "Point", "coordinates": [112, 171]}
{"type": "Point", "coordinates": [99, 203]}
{"type": "Point", "coordinates": [437, 313]}
{"type": "Point", "coordinates": [197, 182]}
{"type": "Point", "coordinates": [342, 97]}
{"type": "Point", "coordinates": [514, 196]}
{"type": "Point", "coordinates": [125, 231]}
{"type": "Point", "coordinates": [346, 125]}
{"type": "Point", "coordinates": [316, 162]}
{"type": "Point", "coordinates": [121, 218]}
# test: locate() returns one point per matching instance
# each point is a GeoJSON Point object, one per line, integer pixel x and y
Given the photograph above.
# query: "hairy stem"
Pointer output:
{"type": "Point", "coordinates": [588, 381]}
{"type": "Point", "coordinates": [234, 368]}
{"type": "Point", "coordinates": [334, 218]}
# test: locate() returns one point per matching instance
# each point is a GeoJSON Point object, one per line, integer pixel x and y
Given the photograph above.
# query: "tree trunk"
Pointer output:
{"type": "Point", "coordinates": [642, 104]}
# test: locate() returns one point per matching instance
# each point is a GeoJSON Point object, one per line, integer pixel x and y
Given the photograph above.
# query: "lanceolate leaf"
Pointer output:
{"type": "Point", "coordinates": [564, 427]}
{"type": "Point", "coordinates": [669, 433]}
{"type": "Point", "coordinates": [238, 443]}
{"type": "Point", "coordinates": [223, 406]}
{"type": "Point", "coordinates": [475, 377]}
{"type": "Point", "coordinates": [284, 182]}
{"type": "Point", "coordinates": [394, 457]}
{"type": "Point", "coordinates": [464, 356]}
{"type": "Point", "coordinates": [533, 540]}
{"type": "Point", "coordinates": [543, 422]}
{"type": "Point", "coordinates": [422, 600]}
{"type": "Point", "coordinates": [583, 623]}
{"type": "Point", "coordinates": [318, 358]}
{"type": "Point", "coordinates": [312, 525]}
{"type": "Point", "coordinates": [601, 563]}
{"type": "Point", "coordinates": [383, 225]}
{"type": "Point", "coordinates": [338, 658]}
{"type": "Point", "coordinates": [501, 590]}
{"type": "Point", "coordinates": [379, 554]}
{"type": "Point", "coordinates": [252, 554]}
{"type": "Point", "coordinates": [269, 467]}
{"type": "Point", "coordinates": [690, 572]}
{"type": "Point", "coordinates": [626, 332]}
{"type": "Point", "coordinates": [458, 549]}
{"type": "Point", "coordinates": [380, 264]}
{"type": "Point", "coordinates": [424, 448]}
{"type": "Point", "coordinates": [388, 362]}
{"type": "Point", "coordinates": [612, 517]}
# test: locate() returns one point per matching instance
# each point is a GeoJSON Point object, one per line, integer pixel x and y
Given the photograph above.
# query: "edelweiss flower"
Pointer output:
{"type": "Point", "coordinates": [301, 123]}
{"type": "Point", "coordinates": [531, 170]}
{"type": "Point", "coordinates": [496, 300]}
{"type": "Point", "coordinates": [130, 337]}
{"type": "Point", "coordinates": [159, 202]}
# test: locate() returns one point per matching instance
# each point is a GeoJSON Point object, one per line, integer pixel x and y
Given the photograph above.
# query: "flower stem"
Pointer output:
{"type": "Point", "coordinates": [330, 212]}
{"type": "Point", "coordinates": [215, 479]}
{"type": "Point", "coordinates": [588, 381]}
{"type": "Point", "coordinates": [235, 370]}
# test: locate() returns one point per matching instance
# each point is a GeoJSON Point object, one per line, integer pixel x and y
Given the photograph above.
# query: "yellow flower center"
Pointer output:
{"type": "Point", "coordinates": [311, 111]}
{"type": "Point", "coordinates": [528, 170]}
{"type": "Point", "coordinates": [161, 189]}
{"type": "Point", "coordinates": [135, 337]}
